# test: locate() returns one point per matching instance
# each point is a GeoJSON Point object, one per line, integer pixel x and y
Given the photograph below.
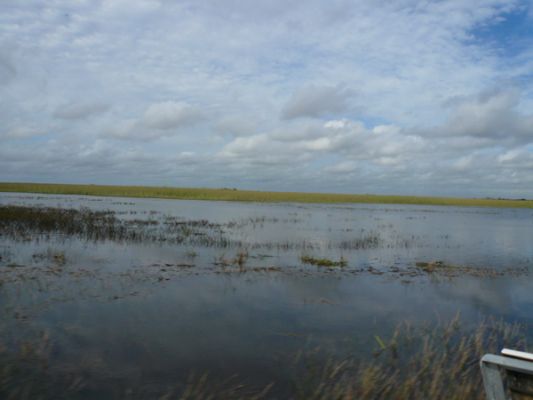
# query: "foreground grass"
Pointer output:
{"type": "Point", "coordinates": [431, 362]}
{"type": "Point", "coordinates": [249, 195]}
{"type": "Point", "coordinates": [439, 362]}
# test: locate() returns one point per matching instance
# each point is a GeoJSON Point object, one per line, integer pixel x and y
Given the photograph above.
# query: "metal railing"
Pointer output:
{"type": "Point", "coordinates": [508, 376]}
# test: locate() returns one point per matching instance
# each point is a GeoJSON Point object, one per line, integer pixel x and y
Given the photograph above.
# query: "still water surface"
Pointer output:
{"type": "Point", "coordinates": [152, 313]}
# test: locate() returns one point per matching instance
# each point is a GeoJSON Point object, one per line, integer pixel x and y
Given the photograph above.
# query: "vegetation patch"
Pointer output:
{"type": "Point", "coordinates": [425, 362]}
{"type": "Point", "coordinates": [25, 223]}
{"type": "Point", "coordinates": [433, 266]}
{"type": "Point", "coordinates": [441, 268]}
{"type": "Point", "coordinates": [439, 362]}
{"type": "Point", "coordinates": [255, 196]}
{"type": "Point", "coordinates": [370, 241]}
{"type": "Point", "coordinates": [323, 262]}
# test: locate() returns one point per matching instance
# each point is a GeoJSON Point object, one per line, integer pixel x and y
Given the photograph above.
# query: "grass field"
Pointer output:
{"type": "Point", "coordinates": [249, 195]}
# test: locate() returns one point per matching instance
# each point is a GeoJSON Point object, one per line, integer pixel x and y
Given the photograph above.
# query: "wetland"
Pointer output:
{"type": "Point", "coordinates": [140, 298]}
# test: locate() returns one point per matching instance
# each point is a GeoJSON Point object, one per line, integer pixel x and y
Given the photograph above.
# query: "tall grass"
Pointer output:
{"type": "Point", "coordinates": [435, 362]}
{"type": "Point", "coordinates": [441, 362]}
{"type": "Point", "coordinates": [251, 196]}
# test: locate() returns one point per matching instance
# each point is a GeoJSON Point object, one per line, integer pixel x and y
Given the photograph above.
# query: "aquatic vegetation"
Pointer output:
{"type": "Point", "coordinates": [323, 262]}
{"type": "Point", "coordinates": [55, 256]}
{"type": "Point", "coordinates": [439, 362]}
{"type": "Point", "coordinates": [5, 254]}
{"type": "Point", "coordinates": [432, 266]}
{"type": "Point", "coordinates": [26, 223]}
{"type": "Point", "coordinates": [411, 362]}
{"type": "Point", "coordinates": [191, 254]}
{"type": "Point", "coordinates": [19, 222]}
{"type": "Point", "coordinates": [241, 281]}
{"type": "Point", "coordinates": [369, 241]}
{"type": "Point", "coordinates": [440, 268]}
{"type": "Point", "coordinates": [239, 260]}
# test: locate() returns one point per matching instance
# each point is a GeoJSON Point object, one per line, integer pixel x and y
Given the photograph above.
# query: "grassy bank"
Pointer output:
{"type": "Point", "coordinates": [249, 195]}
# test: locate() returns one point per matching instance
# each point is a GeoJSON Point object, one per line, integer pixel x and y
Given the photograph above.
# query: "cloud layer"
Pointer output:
{"type": "Point", "coordinates": [346, 96]}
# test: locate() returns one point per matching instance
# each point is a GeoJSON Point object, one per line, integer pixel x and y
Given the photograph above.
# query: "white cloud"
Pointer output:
{"type": "Point", "coordinates": [235, 126]}
{"type": "Point", "coordinates": [7, 69]}
{"type": "Point", "coordinates": [313, 101]}
{"type": "Point", "coordinates": [491, 115]}
{"type": "Point", "coordinates": [336, 95]}
{"type": "Point", "coordinates": [169, 115]}
{"type": "Point", "coordinates": [80, 111]}
{"type": "Point", "coordinates": [123, 129]}
{"type": "Point", "coordinates": [159, 120]}
{"type": "Point", "coordinates": [23, 132]}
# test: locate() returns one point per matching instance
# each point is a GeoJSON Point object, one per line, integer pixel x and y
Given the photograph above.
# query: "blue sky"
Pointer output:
{"type": "Point", "coordinates": [409, 97]}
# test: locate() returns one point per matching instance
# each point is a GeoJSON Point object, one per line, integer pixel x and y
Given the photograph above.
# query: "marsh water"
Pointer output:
{"type": "Point", "coordinates": [221, 288]}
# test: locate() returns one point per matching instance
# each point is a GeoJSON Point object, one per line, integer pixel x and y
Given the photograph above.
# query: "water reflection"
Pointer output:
{"type": "Point", "coordinates": [135, 312]}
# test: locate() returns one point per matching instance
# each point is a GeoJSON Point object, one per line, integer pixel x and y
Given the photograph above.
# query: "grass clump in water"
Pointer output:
{"type": "Point", "coordinates": [439, 362]}
{"type": "Point", "coordinates": [323, 262]}
{"type": "Point", "coordinates": [24, 223]}
{"type": "Point", "coordinates": [432, 266]}
{"type": "Point", "coordinates": [442, 269]}
{"type": "Point", "coordinates": [425, 362]}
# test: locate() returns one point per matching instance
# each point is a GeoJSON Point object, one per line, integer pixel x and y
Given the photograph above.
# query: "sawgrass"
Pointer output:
{"type": "Point", "coordinates": [252, 196]}
{"type": "Point", "coordinates": [439, 362]}
{"type": "Point", "coordinates": [417, 363]}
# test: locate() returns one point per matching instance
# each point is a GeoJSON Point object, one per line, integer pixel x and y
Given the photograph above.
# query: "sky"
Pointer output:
{"type": "Point", "coordinates": [402, 97]}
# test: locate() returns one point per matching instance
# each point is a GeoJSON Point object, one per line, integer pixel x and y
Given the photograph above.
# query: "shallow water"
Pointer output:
{"type": "Point", "coordinates": [149, 313]}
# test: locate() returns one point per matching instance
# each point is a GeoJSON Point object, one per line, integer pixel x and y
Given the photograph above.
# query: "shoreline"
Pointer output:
{"type": "Point", "coordinates": [253, 196]}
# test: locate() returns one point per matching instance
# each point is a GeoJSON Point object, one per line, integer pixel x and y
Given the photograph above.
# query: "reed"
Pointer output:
{"type": "Point", "coordinates": [426, 362]}
{"type": "Point", "coordinates": [440, 362]}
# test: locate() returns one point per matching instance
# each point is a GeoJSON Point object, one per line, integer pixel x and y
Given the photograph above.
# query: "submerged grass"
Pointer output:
{"type": "Point", "coordinates": [20, 222]}
{"type": "Point", "coordinates": [439, 362]}
{"type": "Point", "coordinates": [25, 223]}
{"type": "Point", "coordinates": [417, 363]}
{"type": "Point", "coordinates": [440, 268]}
{"type": "Point", "coordinates": [323, 262]}
{"type": "Point", "coordinates": [253, 196]}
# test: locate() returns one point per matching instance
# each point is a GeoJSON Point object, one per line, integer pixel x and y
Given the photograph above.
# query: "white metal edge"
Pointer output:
{"type": "Point", "coordinates": [517, 354]}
